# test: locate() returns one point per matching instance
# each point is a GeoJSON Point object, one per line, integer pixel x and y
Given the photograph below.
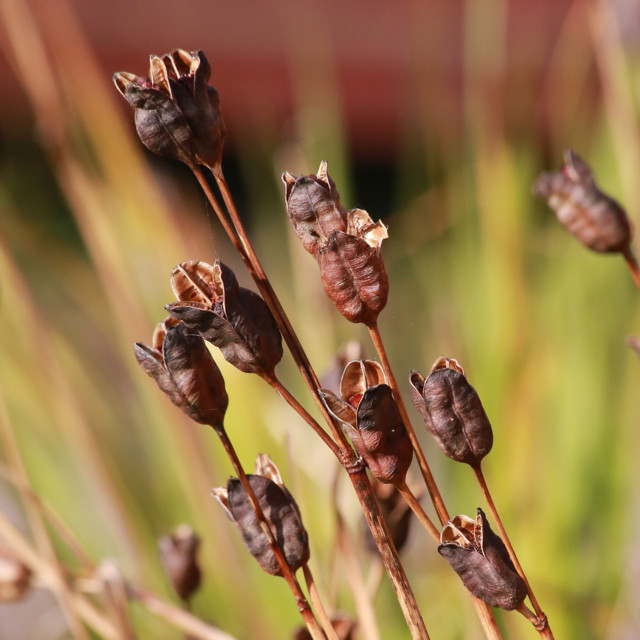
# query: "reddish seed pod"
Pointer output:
{"type": "Point", "coordinates": [177, 114]}
{"type": "Point", "coordinates": [452, 412]}
{"type": "Point", "coordinates": [234, 319]}
{"type": "Point", "coordinates": [178, 555]}
{"type": "Point", "coordinates": [482, 562]}
{"type": "Point", "coordinates": [593, 217]}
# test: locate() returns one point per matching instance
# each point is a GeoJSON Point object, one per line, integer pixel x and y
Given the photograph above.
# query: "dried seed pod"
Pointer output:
{"type": "Point", "coordinates": [452, 412]}
{"type": "Point", "coordinates": [344, 627]}
{"type": "Point", "coordinates": [177, 114]}
{"type": "Point", "coordinates": [330, 379]}
{"type": "Point", "coordinates": [370, 417]}
{"type": "Point", "coordinates": [282, 514]}
{"type": "Point", "coordinates": [178, 555]}
{"type": "Point", "coordinates": [593, 217]}
{"type": "Point", "coordinates": [236, 320]}
{"type": "Point", "coordinates": [313, 207]}
{"type": "Point", "coordinates": [15, 576]}
{"type": "Point", "coordinates": [183, 368]}
{"type": "Point", "coordinates": [482, 561]}
{"type": "Point", "coordinates": [396, 513]}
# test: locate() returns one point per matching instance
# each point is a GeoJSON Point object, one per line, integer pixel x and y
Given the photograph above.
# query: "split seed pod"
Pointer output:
{"type": "Point", "coordinates": [177, 114]}
{"type": "Point", "coordinates": [482, 561]}
{"type": "Point", "coordinates": [593, 217]}
{"type": "Point", "coordinates": [236, 320]}
{"type": "Point", "coordinates": [178, 554]}
{"type": "Point", "coordinates": [452, 412]}
{"type": "Point", "coordinates": [183, 368]}
{"type": "Point", "coordinates": [281, 512]}
{"type": "Point", "coordinates": [346, 244]}
{"type": "Point", "coordinates": [370, 417]}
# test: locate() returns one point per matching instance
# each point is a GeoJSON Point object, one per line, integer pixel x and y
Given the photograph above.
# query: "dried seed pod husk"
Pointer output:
{"type": "Point", "coordinates": [452, 412]}
{"type": "Point", "coordinates": [234, 319]}
{"type": "Point", "coordinates": [313, 207]}
{"type": "Point", "coordinates": [354, 277]}
{"type": "Point", "coordinates": [592, 216]}
{"type": "Point", "coordinates": [187, 374]}
{"type": "Point", "coordinates": [283, 516]}
{"type": "Point", "coordinates": [358, 376]}
{"type": "Point", "coordinates": [178, 555]}
{"type": "Point", "coordinates": [482, 562]}
{"type": "Point", "coordinates": [330, 379]}
{"type": "Point", "coordinates": [177, 114]}
{"type": "Point", "coordinates": [15, 577]}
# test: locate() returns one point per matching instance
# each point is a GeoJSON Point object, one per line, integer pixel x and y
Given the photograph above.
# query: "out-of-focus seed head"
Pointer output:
{"type": "Point", "coordinates": [183, 368]}
{"type": "Point", "coordinates": [344, 627]}
{"type": "Point", "coordinates": [482, 561]}
{"type": "Point", "coordinates": [15, 576]}
{"type": "Point", "coordinates": [313, 207]}
{"type": "Point", "coordinates": [452, 412]}
{"type": "Point", "coordinates": [592, 216]}
{"type": "Point", "coordinates": [370, 417]}
{"type": "Point", "coordinates": [396, 513]}
{"type": "Point", "coordinates": [177, 114]}
{"type": "Point", "coordinates": [235, 319]}
{"type": "Point", "coordinates": [282, 514]}
{"type": "Point", "coordinates": [178, 555]}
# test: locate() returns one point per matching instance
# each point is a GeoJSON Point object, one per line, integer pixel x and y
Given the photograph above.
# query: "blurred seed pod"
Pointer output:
{"type": "Point", "coordinates": [370, 417]}
{"type": "Point", "coordinates": [344, 627]}
{"type": "Point", "coordinates": [452, 412]}
{"type": "Point", "coordinates": [482, 561]}
{"type": "Point", "coordinates": [234, 319]}
{"type": "Point", "coordinates": [178, 555]}
{"type": "Point", "coordinates": [281, 512]}
{"type": "Point", "coordinates": [15, 577]}
{"type": "Point", "coordinates": [183, 368]}
{"type": "Point", "coordinates": [396, 513]}
{"type": "Point", "coordinates": [177, 114]}
{"type": "Point", "coordinates": [593, 217]}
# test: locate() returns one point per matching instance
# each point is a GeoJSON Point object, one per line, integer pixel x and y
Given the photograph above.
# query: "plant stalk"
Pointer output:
{"type": "Point", "coordinates": [324, 619]}
{"type": "Point", "coordinates": [632, 263]}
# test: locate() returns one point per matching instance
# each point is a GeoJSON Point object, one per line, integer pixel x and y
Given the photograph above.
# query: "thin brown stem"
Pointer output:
{"type": "Point", "coordinates": [632, 263]}
{"type": "Point", "coordinates": [303, 413]}
{"type": "Point", "coordinates": [287, 571]}
{"type": "Point", "coordinates": [544, 630]}
{"type": "Point", "coordinates": [429, 480]}
{"type": "Point", "coordinates": [324, 619]}
{"type": "Point", "coordinates": [419, 512]}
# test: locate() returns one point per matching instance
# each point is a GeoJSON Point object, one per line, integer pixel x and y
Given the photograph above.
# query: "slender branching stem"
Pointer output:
{"type": "Point", "coordinates": [429, 480]}
{"type": "Point", "coordinates": [314, 595]}
{"type": "Point", "coordinates": [357, 475]}
{"type": "Point", "coordinates": [419, 512]}
{"type": "Point", "coordinates": [544, 630]}
{"type": "Point", "coordinates": [287, 572]}
{"type": "Point", "coordinates": [632, 263]}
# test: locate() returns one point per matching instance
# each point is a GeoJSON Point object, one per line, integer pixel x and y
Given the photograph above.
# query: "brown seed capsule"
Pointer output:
{"type": "Point", "coordinates": [183, 368]}
{"type": "Point", "coordinates": [178, 554]}
{"type": "Point", "coordinates": [452, 412]}
{"type": "Point", "coordinates": [177, 113]}
{"type": "Point", "coordinates": [15, 576]}
{"type": "Point", "coordinates": [235, 319]}
{"type": "Point", "coordinates": [281, 512]}
{"type": "Point", "coordinates": [396, 513]}
{"type": "Point", "coordinates": [352, 269]}
{"type": "Point", "coordinates": [370, 417]}
{"type": "Point", "coordinates": [482, 561]}
{"type": "Point", "coordinates": [313, 207]}
{"type": "Point", "coordinates": [596, 219]}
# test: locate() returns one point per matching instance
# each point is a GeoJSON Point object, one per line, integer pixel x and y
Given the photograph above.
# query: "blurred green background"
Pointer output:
{"type": "Point", "coordinates": [435, 117]}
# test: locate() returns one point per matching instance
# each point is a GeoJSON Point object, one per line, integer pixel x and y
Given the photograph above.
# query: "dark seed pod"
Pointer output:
{"type": "Point", "coordinates": [282, 514]}
{"type": "Point", "coordinates": [15, 576]}
{"type": "Point", "coordinates": [177, 114]}
{"type": "Point", "coordinates": [370, 417]}
{"type": "Point", "coordinates": [452, 412]}
{"type": "Point", "coordinates": [183, 368]}
{"type": "Point", "coordinates": [178, 555]}
{"type": "Point", "coordinates": [593, 217]}
{"type": "Point", "coordinates": [313, 207]}
{"type": "Point", "coordinates": [234, 319]}
{"type": "Point", "coordinates": [482, 561]}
